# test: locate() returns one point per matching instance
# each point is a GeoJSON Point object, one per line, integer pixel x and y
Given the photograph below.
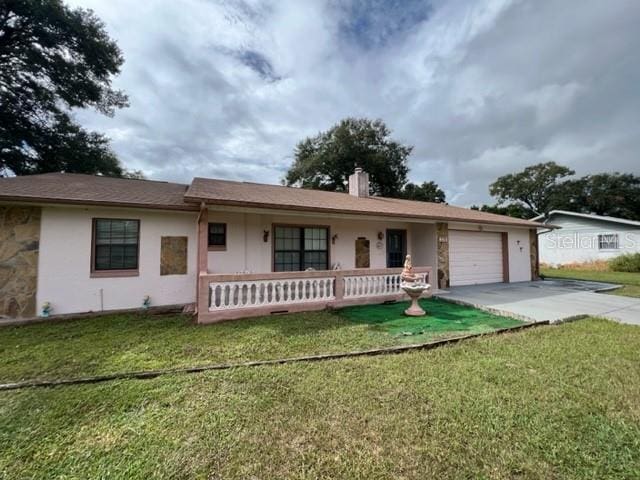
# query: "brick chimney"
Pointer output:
{"type": "Point", "coordinates": [359, 183]}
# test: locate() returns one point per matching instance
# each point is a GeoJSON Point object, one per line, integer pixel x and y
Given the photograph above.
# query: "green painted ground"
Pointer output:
{"type": "Point", "coordinates": [442, 319]}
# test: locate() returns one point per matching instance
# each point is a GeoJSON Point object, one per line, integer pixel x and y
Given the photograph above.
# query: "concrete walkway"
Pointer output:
{"type": "Point", "coordinates": [552, 300]}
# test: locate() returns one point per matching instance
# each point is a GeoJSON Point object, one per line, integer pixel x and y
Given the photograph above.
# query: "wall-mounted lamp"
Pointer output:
{"type": "Point", "coordinates": [380, 235]}
{"type": "Point", "coordinates": [333, 239]}
{"type": "Point", "coordinates": [265, 236]}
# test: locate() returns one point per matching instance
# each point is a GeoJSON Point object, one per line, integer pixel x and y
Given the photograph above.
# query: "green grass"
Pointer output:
{"type": "Point", "coordinates": [630, 281]}
{"type": "Point", "coordinates": [548, 403]}
{"type": "Point", "coordinates": [623, 278]}
{"type": "Point", "coordinates": [129, 342]}
{"type": "Point", "coordinates": [626, 291]}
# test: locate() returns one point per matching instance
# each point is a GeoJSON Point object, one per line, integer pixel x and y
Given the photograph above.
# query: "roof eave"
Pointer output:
{"type": "Point", "coordinates": [43, 200]}
{"type": "Point", "coordinates": [601, 218]}
{"type": "Point", "coordinates": [234, 203]}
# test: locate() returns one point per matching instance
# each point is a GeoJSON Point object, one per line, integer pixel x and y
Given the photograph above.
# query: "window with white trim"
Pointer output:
{"type": "Point", "coordinates": [608, 241]}
{"type": "Point", "coordinates": [300, 248]}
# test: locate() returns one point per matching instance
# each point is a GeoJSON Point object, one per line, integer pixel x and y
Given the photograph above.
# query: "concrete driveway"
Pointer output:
{"type": "Point", "coordinates": [553, 300]}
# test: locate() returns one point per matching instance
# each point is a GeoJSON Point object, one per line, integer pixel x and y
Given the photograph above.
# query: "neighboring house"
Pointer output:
{"type": "Point", "coordinates": [586, 238]}
{"type": "Point", "coordinates": [89, 243]}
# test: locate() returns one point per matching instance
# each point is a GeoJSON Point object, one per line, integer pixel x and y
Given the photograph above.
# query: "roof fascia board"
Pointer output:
{"type": "Point", "coordinates": [588, 216]}
{"type": "Point", "coordinates": [90, 204]}
{"type": "Point", "coordinates": [357, 216]}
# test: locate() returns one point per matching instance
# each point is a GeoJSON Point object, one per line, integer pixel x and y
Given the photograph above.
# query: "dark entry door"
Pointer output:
{"type": "Point", "coordinates": [396, 248]}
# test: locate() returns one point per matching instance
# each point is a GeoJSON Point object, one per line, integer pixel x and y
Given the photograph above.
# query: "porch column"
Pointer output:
{"type": "Point", "coordinates": [534, 254]}
{"type": "Point", "coordinates": [442, 234]}
{"type": "Point", "coordinates": [202, 299]}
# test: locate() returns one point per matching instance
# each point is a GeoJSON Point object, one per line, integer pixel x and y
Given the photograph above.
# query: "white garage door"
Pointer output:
{"type": "Point", "coordinates": [475, 257]}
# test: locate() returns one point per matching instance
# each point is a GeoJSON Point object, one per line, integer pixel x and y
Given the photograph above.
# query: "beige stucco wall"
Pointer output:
{"type": "Point", "coordinates": [65, 261]}
{"type": "Point", "coordinates": [519, 248]}
{"type": "Point", "coordinates": [247, 252]}
{"type": "Point", "coordinates": [423, 245]}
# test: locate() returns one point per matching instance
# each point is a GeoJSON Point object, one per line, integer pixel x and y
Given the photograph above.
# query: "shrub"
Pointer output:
{"type": "Point", "coordinates": [592, 266]}
{"type": "Point", "coordinates": [629, 262]}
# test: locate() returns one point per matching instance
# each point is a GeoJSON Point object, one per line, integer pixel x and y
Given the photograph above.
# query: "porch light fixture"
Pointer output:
{"type": "Point", "coordinates": [265, 236]}
{"type": "Point", "coordinates": [333, 239]}
{"type": "Point", "coordinates": [380, 235]}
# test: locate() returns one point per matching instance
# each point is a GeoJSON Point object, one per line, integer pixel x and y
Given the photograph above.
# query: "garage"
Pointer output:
{"type": "Point", "coordinates": [475, 257]}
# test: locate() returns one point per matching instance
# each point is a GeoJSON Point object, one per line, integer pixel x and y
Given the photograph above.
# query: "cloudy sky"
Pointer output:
{"type": "Point", "coordinates": [226, 88]}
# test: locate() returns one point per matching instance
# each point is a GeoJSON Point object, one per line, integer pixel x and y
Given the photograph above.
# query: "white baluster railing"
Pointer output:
{"type": "Point", "coordinates": [269, 292]}
{"type": "Point", "coordinates": [263, 293]}
{"type": "Point", "coordinates": [363, 286]}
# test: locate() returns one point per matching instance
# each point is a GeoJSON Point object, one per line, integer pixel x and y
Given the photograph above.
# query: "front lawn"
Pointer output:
{"type": "Point", "coordinates": [626, 291]}
{"type": "Point", "coordinates": [622, 278]}
{"type": "Point", "coordinates": [630, 281]}
{"type": "Point", "coordinates": [121, 343]}
{"type": "Point", "coordinates": [548, 403]}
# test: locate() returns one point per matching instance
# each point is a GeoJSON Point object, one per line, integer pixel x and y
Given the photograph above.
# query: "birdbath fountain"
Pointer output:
{"type": "Point", "coordinates": [413, 287]}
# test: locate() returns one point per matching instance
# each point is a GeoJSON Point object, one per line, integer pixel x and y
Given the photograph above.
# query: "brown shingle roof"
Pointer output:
{"type": "Point", "coordinates": [259, 195]}
{"type": "Point", "coordinates": [81, 189]}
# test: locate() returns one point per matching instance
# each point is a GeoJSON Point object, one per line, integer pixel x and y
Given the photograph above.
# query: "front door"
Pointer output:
{"type": "Point", "coordinates": [396, 248]}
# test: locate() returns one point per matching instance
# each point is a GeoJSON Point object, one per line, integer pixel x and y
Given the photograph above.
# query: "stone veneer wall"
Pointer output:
{"type": "Point", "coordinates": [442, 236]}
{"type": "Point", "coordinates": [19, 243]}
{"type": "Point", "coordinates": [535, 265]}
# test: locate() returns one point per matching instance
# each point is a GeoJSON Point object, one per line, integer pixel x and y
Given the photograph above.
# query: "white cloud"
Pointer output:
{"type": "Point", "coordinates": [553, 101]}
{"type": "Point", "coordinates": [481, 88]}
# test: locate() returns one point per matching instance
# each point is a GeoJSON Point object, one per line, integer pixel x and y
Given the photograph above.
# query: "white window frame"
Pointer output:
{"type": "Point", "coordinates": [608, 241]}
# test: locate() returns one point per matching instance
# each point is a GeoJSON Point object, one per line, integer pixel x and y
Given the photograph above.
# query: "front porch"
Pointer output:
{"type": "Point", "coordinates": [232, 296]}
{"type": "Point", "coordinates": [355, 261]}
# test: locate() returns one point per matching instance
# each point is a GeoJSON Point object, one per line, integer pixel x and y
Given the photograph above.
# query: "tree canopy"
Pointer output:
{"type": "Point", "coordinates": [611, 194]}
{"type": "Point", "coordinates": [325, 161]}
{"type": "Point", "coordinates": [538, 189]}
{"type": "Point", "coordinates": [515, 210]}
{"type": "Point", "coordinates": [426, 192]}
{"type": "Point", "coordinates": [534, 186]}
{"type": "Point", "coordinates": [54, 59]}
